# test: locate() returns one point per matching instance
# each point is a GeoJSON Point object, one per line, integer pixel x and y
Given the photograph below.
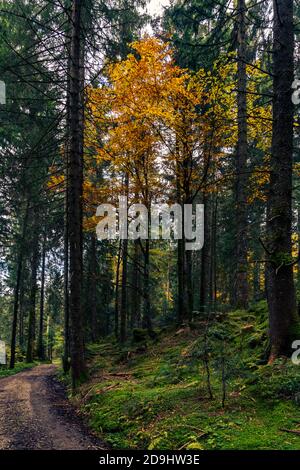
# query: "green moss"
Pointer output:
{"type": "Point", "coordinates": [281, 380]}
{"type": "Point", "coordinates": [158, 399]}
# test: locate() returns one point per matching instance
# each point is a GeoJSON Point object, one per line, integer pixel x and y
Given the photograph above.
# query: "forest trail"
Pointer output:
{"type": "Point", "coordinates": [35, 414]}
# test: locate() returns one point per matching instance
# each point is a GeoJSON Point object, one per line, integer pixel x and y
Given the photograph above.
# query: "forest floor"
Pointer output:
{"type": "Point", "coordinates": [35, 414]}
{"type": "Point", "coordinates": [152, 393]}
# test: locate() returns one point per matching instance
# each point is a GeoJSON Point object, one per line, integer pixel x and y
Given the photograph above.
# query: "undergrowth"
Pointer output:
{"type": "Point", "coordinates": [19, 367]}
{"type": "Point", "coordinates": [153, 393]}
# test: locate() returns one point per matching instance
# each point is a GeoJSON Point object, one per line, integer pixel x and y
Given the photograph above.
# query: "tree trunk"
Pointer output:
{"type": "Point", "coordinates": [17, 291]}
{"type": "Point", "coordinates": [33, 290]}
{"type": "Point", "coordinates": [180, 312]}
{"type": "Point", "coordinates": [75, 199]}
{"type": "Point", "coordinates": [206, 261]}
{"type": "Point", "coordinates": [280, 283]}
{"type": "Point", "coordinates": [183, 270]}
{"type": "Point", "coordinates": [135, 305]}
{"type": "Point", "coordinates": [147, 322]}
{"type": "Point", "coordinates": [189, 283]}
{"type": "Point", "coordinates": [117, 291]}
{"type": "Point", "coordinates": [93, 288]}
{"type": "Point", "coordinates": [241, 282]}
{"type": "Point", "coordinates": [41, 349]}
{"type": "Point", "coordinates": [21, 315]}
{"type": "Point", "coordinates": [184, 273]}
{"type": "Point", "coordinates": [123, 307]}
{"type": "Point", "coordinates": [213, 281]}
{"type": "Point", "coordinates": [66, 353]}
{"type": "Point", "coordinates": [49, 338]}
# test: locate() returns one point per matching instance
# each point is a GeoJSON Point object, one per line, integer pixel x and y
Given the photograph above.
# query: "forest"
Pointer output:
{"type": "Point", "coordinates": [175, 333]}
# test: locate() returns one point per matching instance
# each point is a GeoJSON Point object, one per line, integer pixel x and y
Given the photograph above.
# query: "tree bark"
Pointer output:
{"type": "Point", "coordinates": [135, 305]}
{"type": "Point", "coordinates": [75, 199]}
{"type": "Point", "coordinates": [213, 281]}
{"type": "Point", "coordinates": [183, 271]}
{"type": "Point", "coordinates": [189, 283]}
{"type": "Point", "coordinates": [180, 313]}
{"type": "Point", "coordinates": [206, 261]}
{"type": "Point", "coordinates": [147, 321]}
{"type": "Point", "coordinates": [241, 282]}
{"type": "Point", "coordinates": [21, 314]}
{"type": "Point", "coordinates": [41, 349]}
{"type": "Point", "coordinates": [66, 353]}
{"type": "Point", "coordinates": [17, 291]}
{"type": "Point", "coordinates": [280, 283]}
{"type": "Point", "coordinates": [123, 306]}
{"type": "Point", "coordinates": [93, 288]}
{"type": "Point", "coordinates": [116, 326]}
{"type": "Point", "coordinates": [33, 289]}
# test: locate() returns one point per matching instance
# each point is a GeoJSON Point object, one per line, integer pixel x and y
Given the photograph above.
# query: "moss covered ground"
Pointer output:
{"type": "Point", "coordinates": [152, 393]}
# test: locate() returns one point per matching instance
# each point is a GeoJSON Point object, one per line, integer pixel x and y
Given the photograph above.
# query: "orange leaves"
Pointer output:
{"type": "Point", "coordinates": [159, 124]}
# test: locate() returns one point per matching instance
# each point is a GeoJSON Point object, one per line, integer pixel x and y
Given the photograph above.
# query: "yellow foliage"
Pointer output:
{"type": "Point", "coordinates": [150, 120]}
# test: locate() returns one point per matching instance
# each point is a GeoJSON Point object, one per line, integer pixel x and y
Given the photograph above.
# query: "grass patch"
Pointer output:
{"type": "Point", "coordinates": [19, 367]}
{"type": "Point", "coordinates": [156, 397]}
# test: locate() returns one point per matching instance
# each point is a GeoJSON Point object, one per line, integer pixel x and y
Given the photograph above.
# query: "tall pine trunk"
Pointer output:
{"type": "Point", "coordinates": [116, 324]}
{"type": "Point", "coordinates": [93, 288]}
{"type": "Point", "coordinates": [21, 315]}
{"type": "Point", "coordinates": [241, 282]}
{"type": "Point", "coordinates": [17, 291]}
{"type": "Point", "coordinates": [41, 348]}
{"type": "Point", "coordinates": [135, 315]}
{"type": "Point", "coordinates": [206, 258]}
{"type": "Point", "coordinates": [180, 305]}
{"type": "Point", "coordinates": [147, 321]}
{"type": "Point", "coordinates": [279, 279]}
{"type": "Point", "coordinates": [189, 283]}
{"type": "Point", "coordinates": [33, 290]}
{"type": "Point", "coordinates": [183, 270]}
{"type": "Point", "coordinates": [66, 353]}
{"type": "Point", "coordinates": [123, 306]}
{"type": "Point", "coordinates": [214, 254]}
{"type": "Point", "coordinates": [75, 198]}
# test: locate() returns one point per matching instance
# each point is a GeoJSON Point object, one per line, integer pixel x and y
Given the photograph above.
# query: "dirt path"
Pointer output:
{"type": "Point", "coordinates": [35, 414]}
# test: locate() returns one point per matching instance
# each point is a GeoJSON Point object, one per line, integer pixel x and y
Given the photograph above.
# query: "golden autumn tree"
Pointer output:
{"type": "Point", "coordinates": [171, 133]}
